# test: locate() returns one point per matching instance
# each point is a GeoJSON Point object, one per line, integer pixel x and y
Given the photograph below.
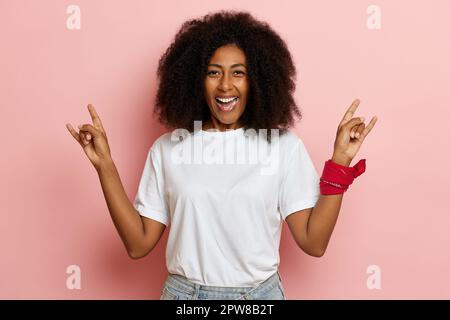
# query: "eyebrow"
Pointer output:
{"type": "Point", "coordinates": [234, 65]}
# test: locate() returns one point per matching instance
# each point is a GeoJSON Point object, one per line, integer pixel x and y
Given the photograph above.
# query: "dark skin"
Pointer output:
{"type": "Point", "coordinates": [311, 228]}
{"type": "Point", "coordinates": [226, 76]}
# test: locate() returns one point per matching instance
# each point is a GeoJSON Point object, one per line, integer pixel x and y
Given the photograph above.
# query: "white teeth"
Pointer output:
{"type": "Point", "coordinates": [230, 106]}
{"type": "Point", "coordinates": [225, 100]}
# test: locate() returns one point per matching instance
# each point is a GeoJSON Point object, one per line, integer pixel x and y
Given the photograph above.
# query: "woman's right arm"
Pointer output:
{"type": "Point", "coordinates": [139, 234]}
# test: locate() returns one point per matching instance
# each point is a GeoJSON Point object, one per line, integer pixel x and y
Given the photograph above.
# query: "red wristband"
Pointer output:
{"type": "Point", "coordinates": [337, 178]}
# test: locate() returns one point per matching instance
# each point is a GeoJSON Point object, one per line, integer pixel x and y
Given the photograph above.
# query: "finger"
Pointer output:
{"type": "Point", "coordinates": [83, 139]}
{"type": "Point", "coordinates": [356, 129]}
{"type": "Point", "coordinates": [353, 131]}
{"type": "Point", "coordinates": [73, 132]}
{"type": "Point", "coordinates": [350, 112]}
{"type": "Point", "coordinates": [95, 118]}
{"type": "Point", "coordinates": [353, 123]}
{"type": "Point", "coordinates": [351, 127]}
{"type": "Point", "coordinates": [90, 129]}
{"type": "Point", "coordinates": [359, 130]}
{"type": "Point", "coordinates": [369, 127]}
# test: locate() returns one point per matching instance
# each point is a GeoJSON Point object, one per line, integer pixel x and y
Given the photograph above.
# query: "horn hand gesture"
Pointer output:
{"type": "Point", "coordinates": [350, 135]}
{"type": "Point", "coordinates": [93, 140]}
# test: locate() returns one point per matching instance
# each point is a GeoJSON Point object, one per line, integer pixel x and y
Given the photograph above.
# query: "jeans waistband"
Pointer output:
{"type": "Point", "coordinates": [188, 286]}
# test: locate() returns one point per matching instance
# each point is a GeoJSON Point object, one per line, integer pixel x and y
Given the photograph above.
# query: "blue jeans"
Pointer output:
{"type": "Point", "coordinates": [178, 287]}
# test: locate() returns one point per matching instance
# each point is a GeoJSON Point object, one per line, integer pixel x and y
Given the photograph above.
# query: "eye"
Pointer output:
{"type": "Point", "coordinates": [212, 72]}
{"type": "Point", "coordinates": [240, 72]}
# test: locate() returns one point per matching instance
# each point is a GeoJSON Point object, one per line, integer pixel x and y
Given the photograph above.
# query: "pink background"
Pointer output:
{"type": "Point", "coordinates": [53, 213]}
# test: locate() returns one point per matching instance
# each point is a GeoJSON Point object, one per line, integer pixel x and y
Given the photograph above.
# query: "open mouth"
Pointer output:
{"type": "Point", "coordinates": [226, 104]}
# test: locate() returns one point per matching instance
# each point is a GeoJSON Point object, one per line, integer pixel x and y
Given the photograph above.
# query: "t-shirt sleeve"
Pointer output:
{"type": "Point", "coordinates": [299, 187]}
{"type": "Point", "coordinates": [150, 201]}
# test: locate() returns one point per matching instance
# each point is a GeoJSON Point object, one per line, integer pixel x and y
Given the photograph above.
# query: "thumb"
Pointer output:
{"type": "Point", "coordinates": [91, 129]}
{"type": "Point", "coordinates": [353, 122]}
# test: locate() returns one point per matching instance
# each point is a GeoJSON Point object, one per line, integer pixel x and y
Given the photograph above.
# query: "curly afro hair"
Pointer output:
{"type": "Point", "coordinates": [183, 67]}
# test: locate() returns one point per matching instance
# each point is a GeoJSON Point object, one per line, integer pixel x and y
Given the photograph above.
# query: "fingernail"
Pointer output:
{"type": "Point", "coordinates": [357, 134]}
{"type": "Point", "coordinates": [362, 118]}
{"type": "Point", "coordinates": [79, 126]}
{"type": "Point", "coordinates": [88, 136]}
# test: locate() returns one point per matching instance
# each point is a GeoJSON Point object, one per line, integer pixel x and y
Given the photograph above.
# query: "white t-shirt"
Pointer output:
{"type": "Point", "coordinates": [225, 209]}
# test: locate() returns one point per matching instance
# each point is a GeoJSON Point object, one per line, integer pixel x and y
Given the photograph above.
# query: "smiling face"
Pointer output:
{"type": "Point", "coordinates": [226, 87]}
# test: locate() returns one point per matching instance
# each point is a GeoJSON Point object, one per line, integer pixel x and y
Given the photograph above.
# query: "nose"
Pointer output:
{"type": "Point", "coordinates": [225, 83]}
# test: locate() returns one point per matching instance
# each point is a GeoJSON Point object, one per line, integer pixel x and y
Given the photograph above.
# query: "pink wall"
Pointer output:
{"type": "Point", "coordinates": [52, 210]}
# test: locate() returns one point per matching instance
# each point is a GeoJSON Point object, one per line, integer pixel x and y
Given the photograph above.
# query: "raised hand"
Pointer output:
{"type": "Point", "coordinates": [350, 135]}
{"type": "Point", "coordinates": [93, 140]}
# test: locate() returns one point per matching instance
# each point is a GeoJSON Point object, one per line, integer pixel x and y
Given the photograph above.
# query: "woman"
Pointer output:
{"type": "Point", "coordinates": [226, 88]}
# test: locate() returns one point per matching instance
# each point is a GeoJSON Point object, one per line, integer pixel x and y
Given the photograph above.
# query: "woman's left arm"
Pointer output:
{"type": "Point", "coordinates": [312, 227]}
